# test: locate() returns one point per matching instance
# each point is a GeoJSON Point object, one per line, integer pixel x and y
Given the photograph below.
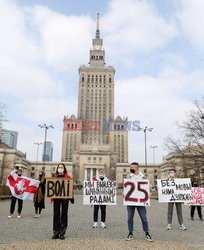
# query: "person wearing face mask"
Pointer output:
{"type": "Point", "coordinates": [18, 171]}
{"type": "Point", "coordinates": [172, 175]}
{"type": "Point", "coordinates": [136, 174]}
{"type": "Point", "coordinates": [101, 177]}
{"type": "Point", "coordinates": [195, 184]}
{"type": "Point", "coordinates": [39, 196]}
{"type": "Point", "coordinates": [60, 208]}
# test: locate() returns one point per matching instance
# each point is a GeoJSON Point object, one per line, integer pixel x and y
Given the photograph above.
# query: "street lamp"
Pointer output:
{"type": "Point", "coordinates": [145, 132]}
{"type": "Point", "coordinates": [38, 144]}
{"type": "Point", "coordinates": [153, 147]}
{"type": "Point", "coordinates": [46, 127]}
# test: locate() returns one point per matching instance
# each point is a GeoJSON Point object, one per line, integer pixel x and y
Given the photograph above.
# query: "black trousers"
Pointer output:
{"type": "Point", "coordinates": [60, 219]}
{"type": "Point", "coordinates": [103, 213]}
{"type": "Point", "coordinates": [13, 204]}
{"type": "Point", "coordinates": [198, 209]}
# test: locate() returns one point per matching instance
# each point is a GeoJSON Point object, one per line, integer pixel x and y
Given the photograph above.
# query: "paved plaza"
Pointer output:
{"type": "Point", "coordinates": [80, 224]}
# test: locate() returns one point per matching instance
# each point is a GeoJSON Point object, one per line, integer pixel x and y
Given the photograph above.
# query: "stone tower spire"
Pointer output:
{"type": "Point", "coordinates": [97, 27]}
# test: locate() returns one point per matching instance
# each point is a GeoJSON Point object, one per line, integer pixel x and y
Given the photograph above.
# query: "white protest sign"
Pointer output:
{"type": "Point", "coordinates": [174, 190]}
{"type": "Point", "coordinates": [198, 197]}
{"type": "Point", "coordinates": [136, 192]}
{"type": "Point", "coordinates": [100, 193]}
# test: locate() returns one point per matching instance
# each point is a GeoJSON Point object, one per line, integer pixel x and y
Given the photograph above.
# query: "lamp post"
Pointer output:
{"type": "Point", "coordinates": [145, 132]}
{"type": "Point", "coordinates": [46, 127]}
{"type": "Point", "coordinates": [153, 149]}
{"type": "Point", "coordinates": [38, 144]}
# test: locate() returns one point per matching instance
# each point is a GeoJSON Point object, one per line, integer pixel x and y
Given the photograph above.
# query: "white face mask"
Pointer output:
{"type": "Point", "coordinates": [60, 170]}
{"type": "Point", "coordinates": [171, 175]}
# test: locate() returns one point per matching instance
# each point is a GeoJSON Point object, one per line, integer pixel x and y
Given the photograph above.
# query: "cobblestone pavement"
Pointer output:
{"type": "Point", "coordinates": [80, 224]}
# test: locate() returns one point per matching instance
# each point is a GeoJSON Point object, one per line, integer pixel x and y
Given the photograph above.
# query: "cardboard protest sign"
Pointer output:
{"type": "Point", "coordinates": [100, 193]}
{"type": "Point", "coordinates": [174, 190]}
{"type": "Point", "coordinates": [136, 192]}
{"type": "Point", "coordinates": [198, 197]}
{"type": "Point", "coordinates": [60, 188]}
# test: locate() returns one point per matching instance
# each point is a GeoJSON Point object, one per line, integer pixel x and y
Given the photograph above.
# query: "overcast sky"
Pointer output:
{"type": "Point", "coordinates": [155, 46]}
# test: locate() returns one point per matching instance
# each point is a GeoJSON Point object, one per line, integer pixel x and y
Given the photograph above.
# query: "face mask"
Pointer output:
{"type": "Point", "coordinates": [19, 174]}
{"type": "Point", "coordinates": [132, 170]}
{"type": "Point", "coordinates": [101, 176]}
{"type": "Point", "coordinates": [40, 175]}
{"type": "Point", "coordinates": [61, 170]}
{"type": "Point", "coordinates": [171, 175]}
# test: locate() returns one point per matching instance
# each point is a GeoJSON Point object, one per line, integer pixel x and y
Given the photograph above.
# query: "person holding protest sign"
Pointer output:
{"type": "Point", "coordinates": [101, 177]}
{"type": "Point", "coordinates": [39, 196]}
{"type": "Point", "coordinates": [172, 175]}
{"type": "Point", "coordinates": [60, 208]}
{"type": "Point", "coordinates": [195, 184]}
{"type": "Point", "coordinates": [18, 171]}
{"type": "Point", "coordinates": [136, 174]}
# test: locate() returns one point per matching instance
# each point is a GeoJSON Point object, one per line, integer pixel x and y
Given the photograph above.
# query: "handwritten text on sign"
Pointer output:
{"type": "Point", "coordinates": [136, 192]}
{"type": "Point", "coordinates": [174, 190]}
{"type": "Point", "coordinates": [198, 196]}
{"type": "Point", "coordinates": [100, 193]}
{"type": "Point", "coordinates": [60, 188]}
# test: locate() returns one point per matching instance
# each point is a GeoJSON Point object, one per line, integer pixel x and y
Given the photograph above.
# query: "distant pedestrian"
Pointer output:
{"type": "Point", "coordinates": [172, 175]}
{"type": "Point", "coordinates": [39, 196]}
{"type": "Point", "coordinates": [195, 184]}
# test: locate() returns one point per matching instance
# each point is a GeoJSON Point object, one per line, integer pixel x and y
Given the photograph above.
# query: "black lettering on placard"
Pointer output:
{"type": "Point", "coordinates": [57, 188]}
{"type": "Point", "coordinates": [50, 188]}
{"type": "Point", "coordinates": [132, 188]}
{"type": "Point", "coordinates": [62, 191]}
{"type": "Point", "coordinates": [91, 198]}
{"type": "Point", "coordinates": [167, 191]}
{"type": "Point", "coordinates": [68, 189]}
{"type": "Point", "coordinates": [143, 190]}
{"type": "Point", "coordinates": [163, 183]}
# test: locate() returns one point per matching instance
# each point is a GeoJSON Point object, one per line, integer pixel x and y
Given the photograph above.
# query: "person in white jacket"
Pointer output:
{"type": "Point", "coordinates": [101, 177]}
{"type": "Point", "coordinates": [136, 174]}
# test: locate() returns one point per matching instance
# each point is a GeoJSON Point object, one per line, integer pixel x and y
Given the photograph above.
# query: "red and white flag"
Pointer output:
{"type": "Point", "coordinates": [22, 187]}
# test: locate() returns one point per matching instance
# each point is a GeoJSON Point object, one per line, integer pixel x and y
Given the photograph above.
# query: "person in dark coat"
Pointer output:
{"type": "Point", "coordinates": [60, 208]}
{"type": "Point", "coordinates": [39, 196]}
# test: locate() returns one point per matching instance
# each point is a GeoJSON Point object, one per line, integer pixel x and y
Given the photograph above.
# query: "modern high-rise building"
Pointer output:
{"type": "Point", "coordinates": [94, 139]}
{"type": "Point", "coordinates": [9, 137]}
{"type": "Point", "coordinates": [47, 151]}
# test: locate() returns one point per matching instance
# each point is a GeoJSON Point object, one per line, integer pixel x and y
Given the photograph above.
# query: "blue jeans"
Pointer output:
{"type": "Point", "coordinates": [142, 213]}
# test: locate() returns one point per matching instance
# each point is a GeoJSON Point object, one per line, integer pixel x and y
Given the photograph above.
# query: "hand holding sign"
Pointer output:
{"type": "Point", "coordinates": [136, 192]}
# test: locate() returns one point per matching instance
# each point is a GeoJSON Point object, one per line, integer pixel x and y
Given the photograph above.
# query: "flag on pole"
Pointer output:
{"type": "Point", "coordinates": [22, 187]}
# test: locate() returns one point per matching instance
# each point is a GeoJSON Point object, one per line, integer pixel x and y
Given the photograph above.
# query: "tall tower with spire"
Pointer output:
{"type": "Point", "coordinates": [93, 136]}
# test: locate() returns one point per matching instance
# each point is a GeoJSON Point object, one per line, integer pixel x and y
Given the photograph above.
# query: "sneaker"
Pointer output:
{"type": "Point", "coordinates": [129, 237]}
{"type": "Point", "coordinates": [10, 216]}
{"type": "Point", "coordinates": [61, 237]}
{"type": "Point", "coordinates": [182, 227]}
{"type": "Point", "coordinates": [38, 215]}
{"type": "Point", "coordinates": [19, 216]}
{"type": "Point", "coordinates": [103, 225]}
{"type": "Point", "coordinates": [148, 237]}
{"type": "Point", "coordinates": [168, 227]}
{"type": "Point", "coordinates": [35, 216]}
{"type": "Point", "coordinates": [192, 218]}
{"type": "Point", "coordinates": [95, 224]}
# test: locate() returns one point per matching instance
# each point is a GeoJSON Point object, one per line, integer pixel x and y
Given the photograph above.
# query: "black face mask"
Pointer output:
{"type": "Point", "coordinates": [101, 178]}
{"type": "Point", "coordinates": [40, 176]}
{"type": "Point", "coordinates": [19, 174]}
{"type": "Point", "coordinates": [132, 170]}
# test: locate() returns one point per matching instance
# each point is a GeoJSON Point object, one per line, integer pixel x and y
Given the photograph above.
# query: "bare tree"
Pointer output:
{"type": "Point", "coordinates": [2, 115]}
{"type": "Point", "coordinates": [190, 146]}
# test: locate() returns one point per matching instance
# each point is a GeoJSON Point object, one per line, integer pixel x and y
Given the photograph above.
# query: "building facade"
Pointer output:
{"type": "Point", "coordinates": [95, 138]}
{"type": "Point", "coordinates": [9, 137]}
{"type": "Point", "coordinates": [48, 151]}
